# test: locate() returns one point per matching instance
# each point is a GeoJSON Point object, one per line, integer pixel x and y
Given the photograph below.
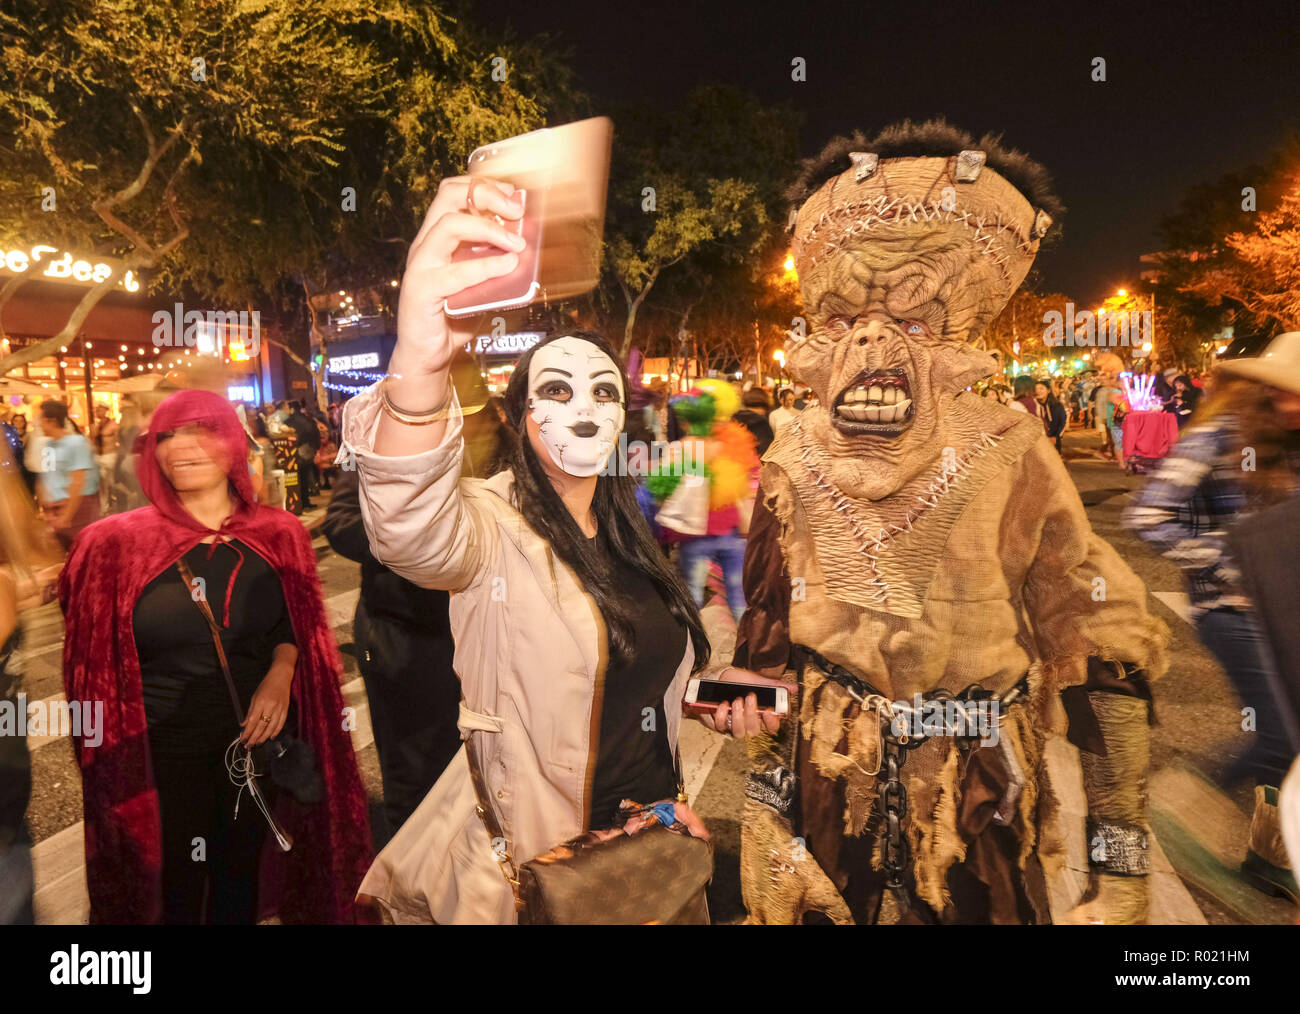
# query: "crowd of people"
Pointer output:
{"type": "Point", "coordinates": [1095, 399]}
{"type": "Point", "coordinates": [188, 481]}
{"type": "Point", "coordinates": [533, 573]}
{"type": "Point", "coordinates": [201, 475]}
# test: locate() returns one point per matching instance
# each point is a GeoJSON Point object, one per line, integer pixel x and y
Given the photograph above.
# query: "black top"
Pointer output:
{"type": "Point", "coordinates": [186, 703]}
{"type": "Point", "coordinates": [634, 760]}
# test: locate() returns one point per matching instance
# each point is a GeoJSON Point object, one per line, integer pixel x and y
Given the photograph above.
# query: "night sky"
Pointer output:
{"type": "Point", "coordinates": [1193, 90]}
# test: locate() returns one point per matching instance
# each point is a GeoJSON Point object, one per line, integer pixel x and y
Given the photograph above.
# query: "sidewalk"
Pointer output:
{"type": "Point", "coordinates": [314, 518]}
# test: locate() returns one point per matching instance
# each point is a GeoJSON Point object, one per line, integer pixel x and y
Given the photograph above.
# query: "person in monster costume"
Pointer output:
{"type": "Point", "coordinates": [966, 646]}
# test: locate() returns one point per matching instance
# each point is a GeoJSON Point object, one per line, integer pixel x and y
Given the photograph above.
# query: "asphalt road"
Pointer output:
{"type": "Point", "coordinates": [1201, 828]}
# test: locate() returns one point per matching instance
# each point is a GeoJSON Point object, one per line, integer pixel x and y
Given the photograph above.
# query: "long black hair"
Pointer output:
{"type": "Point", "coordinates": [624, 534]}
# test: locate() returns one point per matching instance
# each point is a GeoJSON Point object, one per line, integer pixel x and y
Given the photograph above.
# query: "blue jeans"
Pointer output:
{"type": "Point", "coordinates": [694, 556]}
{"type": "Point", "coordinates": [1237, 641]}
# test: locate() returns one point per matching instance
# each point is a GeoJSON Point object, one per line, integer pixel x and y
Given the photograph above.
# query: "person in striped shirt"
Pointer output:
{"type": "Point", "coordinates": [1240, 453]}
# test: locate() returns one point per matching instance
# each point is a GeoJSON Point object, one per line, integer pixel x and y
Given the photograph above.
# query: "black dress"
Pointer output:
{"type": "Point", "coordinates": [634, 760]}
{"type": "Point", "coordinates": [210, 858]}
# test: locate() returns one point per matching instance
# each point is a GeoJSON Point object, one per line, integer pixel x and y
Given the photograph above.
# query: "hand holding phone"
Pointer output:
{"type": "Point", "coordinates": [563, 173]}
{"type": "Point", "coordinates": [426, 338]}
{"type": "Point", "coordinates": [740, 703]}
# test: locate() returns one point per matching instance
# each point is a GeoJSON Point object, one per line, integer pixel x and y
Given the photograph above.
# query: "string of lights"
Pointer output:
{"type": "Point", "coordinates": [356, 375]}
{"type": "Point", "coordinates": [345, 388]}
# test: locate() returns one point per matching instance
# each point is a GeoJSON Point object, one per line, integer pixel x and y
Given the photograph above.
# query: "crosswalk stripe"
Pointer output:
{"type": "Point", "coordinates": [1179, 602]}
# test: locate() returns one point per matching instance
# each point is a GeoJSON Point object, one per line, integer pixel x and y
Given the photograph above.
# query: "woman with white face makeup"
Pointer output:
{"type": "Point", "coordinates": [574, 637]}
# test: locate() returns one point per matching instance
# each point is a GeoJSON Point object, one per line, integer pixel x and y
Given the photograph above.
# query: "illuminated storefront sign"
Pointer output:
{"type": "Point", "coordinates": [361, 361]}
{"type": "Point", "coordinates": [60, 266]}
{"type": "Point", "coordinates": [505, 344]}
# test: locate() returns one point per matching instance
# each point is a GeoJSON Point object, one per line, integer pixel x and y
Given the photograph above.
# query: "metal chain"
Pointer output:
{"type": "Point", "coordinates": [896, 853]}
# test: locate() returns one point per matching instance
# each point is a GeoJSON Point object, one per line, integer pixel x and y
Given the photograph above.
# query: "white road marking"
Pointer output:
{"type": "Point", "coordinates": [1179, 602]}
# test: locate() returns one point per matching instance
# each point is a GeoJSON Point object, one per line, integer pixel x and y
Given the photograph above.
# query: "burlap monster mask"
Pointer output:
{"type": "Point", "coordinates": [906, 246]}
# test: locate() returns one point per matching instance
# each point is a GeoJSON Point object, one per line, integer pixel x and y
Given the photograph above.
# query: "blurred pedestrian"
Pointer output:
{"type": "Point", "coordinates": [1109, 367]}
{"type": "Point", "coordinates": [755, 416]}
{"type": "Point", "coordinates": [405, 653]}
{"type": "Point", "coordinates": [1052, 412]}
{"type": "Point", "coordinates": [1198, 492]}
{"type": "Point", "coordinates": [19, 423]}
{"type": "Point", "coordinates": [103, 435]}
{"type": "Point", "coordinates": [68, 487]}
{"type": "Point", "coordinates": [172, 753]}
{"type": "Point", "coordinates": [137, 411]}
{"type": "Point", "coordinates": [786, 413]}
{"type": "Point", "coordinates": [1184, 399]}
{"type": "Point", "coordinates": [27, 556]}
{"type": "Point", "coordinates": [706, 498]}
{"type": "Point", "coordinates": [308, 445]}
{"type": "Point", "coordinates": [267, 486]}
{"type": "Point", "coordinates": [1023, 398]}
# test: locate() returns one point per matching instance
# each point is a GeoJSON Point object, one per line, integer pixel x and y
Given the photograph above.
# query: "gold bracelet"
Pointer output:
{"type": "Point", "coordinates": [438, 413]}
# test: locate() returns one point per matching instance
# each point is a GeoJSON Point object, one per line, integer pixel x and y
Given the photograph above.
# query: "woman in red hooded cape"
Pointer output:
{"type": "Point", "coordinates": [110, 564]}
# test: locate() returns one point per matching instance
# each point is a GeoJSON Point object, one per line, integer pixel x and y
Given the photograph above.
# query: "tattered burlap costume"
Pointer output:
{"type": "Point", "coordinates": [929, 555]}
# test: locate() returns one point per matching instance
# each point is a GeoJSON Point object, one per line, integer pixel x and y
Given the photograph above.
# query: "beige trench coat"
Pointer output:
{"type": "Point", "coordinates": [530, 654]}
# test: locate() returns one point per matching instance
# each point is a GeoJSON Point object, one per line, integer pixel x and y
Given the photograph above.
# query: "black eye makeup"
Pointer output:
{"type": "Point", "coordinates": [605, 392]}
{"type": "Point", "coordinates": [554, 390]}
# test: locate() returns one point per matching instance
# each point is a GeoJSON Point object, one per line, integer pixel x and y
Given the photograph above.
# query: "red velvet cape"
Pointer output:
{"type": "Point", "coordinates": [110, 564]}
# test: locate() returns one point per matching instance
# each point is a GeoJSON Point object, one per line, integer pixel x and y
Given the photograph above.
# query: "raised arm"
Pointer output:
{"type": "Point", "coordinates": [418, 384]}
{"type": "Point", "coordinates": [404, 434]}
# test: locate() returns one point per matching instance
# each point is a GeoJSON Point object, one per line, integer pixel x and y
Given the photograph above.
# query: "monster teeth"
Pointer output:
{"type": "Point", "coordinates": [875, 412]}
{"type": "Point", "coordinates": [876, 394]}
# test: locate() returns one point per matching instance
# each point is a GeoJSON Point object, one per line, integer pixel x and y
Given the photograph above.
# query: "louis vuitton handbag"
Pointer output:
{"type": "Point", "coordinates": [656, 876]}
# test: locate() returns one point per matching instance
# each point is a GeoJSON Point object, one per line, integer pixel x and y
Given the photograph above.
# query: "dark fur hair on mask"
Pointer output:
{"type": "Point", "coordinates": [932, 138]}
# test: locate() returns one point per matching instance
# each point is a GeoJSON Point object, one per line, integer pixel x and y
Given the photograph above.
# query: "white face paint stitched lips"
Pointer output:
{"type": "Point", "coordinates": [575, 395]}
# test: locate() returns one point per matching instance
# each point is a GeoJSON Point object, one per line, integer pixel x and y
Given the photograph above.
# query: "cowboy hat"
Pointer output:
{"type": "Point", "coordinates": [1277, 366]}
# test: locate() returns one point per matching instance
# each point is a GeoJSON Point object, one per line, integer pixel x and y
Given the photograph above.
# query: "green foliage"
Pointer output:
{"type": "Point", "coordinates": [717, 167]}
{"type": "Point", "coordinates": [1222, 261]}
{"type": "Point", "coordinates": [227, 178]}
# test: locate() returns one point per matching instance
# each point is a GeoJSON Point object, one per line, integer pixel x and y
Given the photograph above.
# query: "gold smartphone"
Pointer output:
{"type": "Point", "coordinates": [564, 173]}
